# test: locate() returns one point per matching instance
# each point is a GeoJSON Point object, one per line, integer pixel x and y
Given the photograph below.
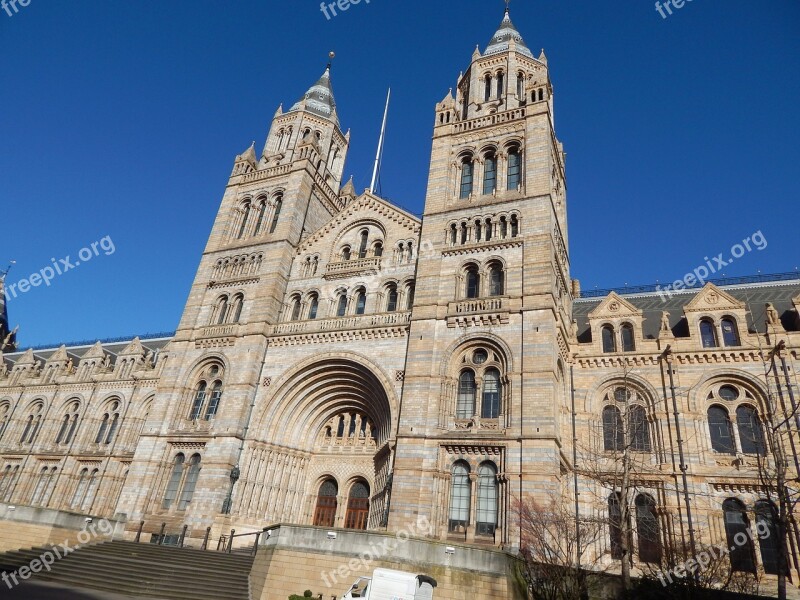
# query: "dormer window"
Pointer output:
{"type": "Point", "coordinates": [609, 339]}
{"type": "Point", "coordinates": [708, 334]}
{"type": "Point", "coordinates": [730, 333]}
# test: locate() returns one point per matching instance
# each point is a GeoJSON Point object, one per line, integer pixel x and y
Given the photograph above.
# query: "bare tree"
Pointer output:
{"type": "Point", "coordinates": [552, 543]}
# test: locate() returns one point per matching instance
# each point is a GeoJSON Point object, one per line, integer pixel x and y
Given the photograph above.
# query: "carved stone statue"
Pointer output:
{"type": "Point", "coordinates": [574, 329]}
{"type": "Point", "coordinates": [773, 318]}
{"type": "Point", "coordinates": [665, 321]}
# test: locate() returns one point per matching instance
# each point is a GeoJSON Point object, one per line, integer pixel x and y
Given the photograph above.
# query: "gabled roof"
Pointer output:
{"type": "Point", "coordinates": [504, 35]}
{"type": "Point", "coordinates": [367, 202]}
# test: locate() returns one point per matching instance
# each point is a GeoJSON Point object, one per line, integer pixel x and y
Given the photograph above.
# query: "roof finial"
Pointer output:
{"type": "Point", "coordinates": [508, 2]}
{"type": "Point", "coordinates": [4, 273]}
{"type": "Point", "coordinates": [331, 56]}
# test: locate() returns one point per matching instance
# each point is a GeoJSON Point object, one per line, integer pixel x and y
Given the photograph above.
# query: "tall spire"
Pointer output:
{"type": "Point", "coordinates": [6, 340]}
{"type": "Point", "coordinates": [505, 33]}
{"type": "Point", "coordinates": [319, 99]}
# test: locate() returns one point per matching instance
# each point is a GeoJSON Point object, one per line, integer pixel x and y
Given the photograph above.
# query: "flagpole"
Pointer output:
{"type": "Point", "coordinates": [380, 144]}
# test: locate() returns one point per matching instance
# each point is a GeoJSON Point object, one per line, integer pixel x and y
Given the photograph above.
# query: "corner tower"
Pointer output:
{"type": "Point", "coordinates": [485, 382]}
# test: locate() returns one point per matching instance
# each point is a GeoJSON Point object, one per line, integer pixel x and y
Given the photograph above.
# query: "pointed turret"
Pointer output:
{"type": "Point", "coordinates": [6, 336]}
{"type": "Point", "coordinates": [504, 35]}
{"type": "Point", "coordinates": [319, 99]}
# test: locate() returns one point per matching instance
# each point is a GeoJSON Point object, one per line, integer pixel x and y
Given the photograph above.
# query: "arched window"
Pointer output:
{"type": "Point", "coordinates": [492, 390]}
{"type": "Point", "coordinates": [478, 230]}
{"type": "Point", "coordinates": [236, 308]}
{"type": "Point", "coordinates": [378, 250]}
{"type": "Point", "coordinates": [460, 494]}
{"type": "Point", "coordinates": [487, 94]}
{"type": "Point", "coordinates": [751, 435]}
{"type": "Point", "coordinates": [609, 339]}
{"type": "Point", "coordinates": [222, 310]}
{"type": "Point", "coordinates": [615, 525]}
{"type": "Point", "coordinates": [486, 514]}
{"type": "Point", "coordinates": [647, 529]}
{"type": "Point", "coordinates": [325, 512]}
{"type": "Point", "coordinates": [295, 309]}
{"type": "Point", "coordinates": [410, 296]}
{"type": "Point", "coordinates": [262, 210]}
{"type": "Point", "coordinates": [357, 507]}
{"type": "Point", "coordinates": [361, 301]}
{"type": "Point", "coordinates": [112, 429]}
{"type": "Point", "coordinates": [514, 171]}
{"type": "Point", "coordinates": [739, 541]}
{"type": "Point", "coordinates": [391, 299]}
{"type": "Point", "coordinates": [213, 403]}
{"type": "Point", "coordinates": [453, 234]}
{"type": "Point", "coordinates": [32, 425]}
{"type": "Point", "coordinates": [9, 483]}
{"type": "Point", "coordinates": [472, 287]}
{"type": "Point", "coordinates": [245, 218]}
{"type": "Point", "coordinates": [721, 430]}
{"type": "Point", "coordinates": [191, 482]}
{"type": "Point", "coordinates": [4, 417]}
{"type": "Point", "coordinates": [68, 425]}
{"type": "Point", "coordinates": [708, 334]}
{"type": "Point", "coordinates": [174, 481]}
{"type": "Point", "coordinates": [80, 489]}
{"type": "Point", "coordinates": [489, 175]}
{"type": "Point", "coordinates": [501, 82]}
{"type": "Point", "coordinates": [639, 430]}
{"type": "Point", "coordinates": [628, 343]}
{"type": "Point", "coordinates": [346, 253]}
{"type": "Point", "coordinates": [520, 86]}
{"type": "Point", "coordinates": [341, 308]}
{"type": "Point", "coordinates": [102, 431]}
{"type": "Point", "coordinates": [465, 407]}
{"type": "Point", "coordinates": [276, 215]}
{"type": "Point", "coordinates": [199, 400]}
{"type": "Point", "coordinates": [313, 306]}
{"type": "Point", "coordinates": [489, 230]}
{"type": "Point", "coordinates": [613, 429]}
{"type": "Point", "coordinates": [769, 537]}
{"type": "Point", "coordinates": [496, 280]}
{"type": "Point", "coordinates": [463, 233]}
{"type": "Point", "coordinates": [503, 227]}
{"type": "Point", "coordinates": [466, 178]}
{"type": "Point", "coordinates": [730, 333]}
{"type": "Point", "coordinates": [362, 249]}
{"type": "Point", "coordinates": [514, 226]}
{"type": "Point", "coordinates": [91, 488]}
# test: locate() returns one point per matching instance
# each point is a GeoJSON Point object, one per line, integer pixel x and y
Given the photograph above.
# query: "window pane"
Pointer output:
{"type": "Point", "coordinates": [491, 395]}
{"type": "Point", "coordinates": [640, 432]}
{"type": "Point", "coordinates": [721, 430]}
{"type": "Point", "coordinates": [361, 303]}
{"type": "Point", "coordinates": [191, 483]}
{"type": "Point", "coordinates": [729, 334]}
{"type": "Point", "coordinates": [174, 481]}
{"type": "Point", "coordinates": [496, 282]}
{"type": "Point", "coordinates": [708, 335]}
{"type": "Point", "coordinates": [513, 171]}
{"type": "Point", "coordinates": [613, 431]}
{"type": "Point", "coordinates": [341, 309]}
{"type": "Point", "coordinates": [391, 303]}
{"type": "Point", "coordinates": [768, 538]}
{"type": "Point", "coordinates": [312, 310]}
{"type": "Point", "coordinates": [490, 176]}
{"type": "Point", "coordinates": [736, 526]}
{"type": "Point", "coordinates": [199, 399]}
{"type": "Point", "coordinates": [628, 344]}
{"type": "Point", "coordinates": [466, 179]}
{"type": "Point", "coordinates": [459, 499]}
{"type": "Point", "coordinates": [609, 343]}
{"type": "Point", "coordinates": [465, 408]}
{"type": "Point", "coordinates": [473, 281]}
{"type": "Point", "coordinates": [486, 517]}
{"type": "Point", "coordinates": [751, 436]}
{"type": "Point", "coordinates": [615, 526]}
{"type": "Point", "coordinates": [648, 530]}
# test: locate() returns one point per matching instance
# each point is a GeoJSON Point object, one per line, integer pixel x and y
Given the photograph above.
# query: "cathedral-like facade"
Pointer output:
{"type": "Point", "coordinates": [343, 363]}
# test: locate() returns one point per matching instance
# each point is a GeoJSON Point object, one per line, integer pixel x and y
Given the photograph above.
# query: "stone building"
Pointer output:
{"type": "Point", "coordinates": [341, 362]}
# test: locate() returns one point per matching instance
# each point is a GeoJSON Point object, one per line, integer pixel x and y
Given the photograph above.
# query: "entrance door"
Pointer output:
{"type": "Point", "coordinates": [325, 513]}
{"type": "Point", "coordinates": [357, 507]}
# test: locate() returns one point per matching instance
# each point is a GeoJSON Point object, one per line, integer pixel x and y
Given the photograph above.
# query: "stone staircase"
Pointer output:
{"type": "Point", "coordinates": [144, 570]}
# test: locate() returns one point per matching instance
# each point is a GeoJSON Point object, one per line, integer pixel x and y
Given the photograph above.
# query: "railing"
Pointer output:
{"type": "Point", "coordinates": [477, 305]}
{"type": "Point", "coordinates": [224, 543]}
{"type": "Point", "coordinates": [344, 323]}
{"type": "Point", "coordinates": [348, 267]}
{"type": "Point", "coordinates": [652, 288]}
{"type": "Point", "coordinates": [488, 120]}
{"type": "Point", "coordinates": [218, 331]}
{"type": "Point", "coordinates": [265, 173]}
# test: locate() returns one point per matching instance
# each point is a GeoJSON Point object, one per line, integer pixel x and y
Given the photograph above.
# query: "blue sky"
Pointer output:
{"type": "Point", "coordinates": [122, 119]}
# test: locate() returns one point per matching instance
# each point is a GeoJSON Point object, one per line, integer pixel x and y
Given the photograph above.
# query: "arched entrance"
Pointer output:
{"type": "Point", "coordinates": [325, 512]}
{"type": "Point", "coordinates": [357, 506]}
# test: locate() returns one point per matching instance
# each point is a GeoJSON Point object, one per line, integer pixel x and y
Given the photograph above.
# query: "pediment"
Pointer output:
{"type": "Point", "coordinates": [366, 207]}
{"type": "Point", "coordinates": [59, 355]}
{"type": "Point", "coordinates": [614, 306]}
{"type": "Point", "coordinates": [95, 351]}
{"type": "Point", "coordinates": [27, 358]}
{"type": "Point", "coordinates": [712, 298]}
{"type": "Point", "coordinates": [134, 347]}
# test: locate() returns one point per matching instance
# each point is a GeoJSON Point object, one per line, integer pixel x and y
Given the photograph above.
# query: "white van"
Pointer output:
{"type": "Point", "coordinates": [386, 584]}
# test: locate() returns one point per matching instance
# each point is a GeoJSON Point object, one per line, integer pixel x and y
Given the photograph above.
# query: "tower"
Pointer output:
{"type": "Point", "coordinates": [211, 379]}
{"type": "Point", "coordinates": [485, 382]}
